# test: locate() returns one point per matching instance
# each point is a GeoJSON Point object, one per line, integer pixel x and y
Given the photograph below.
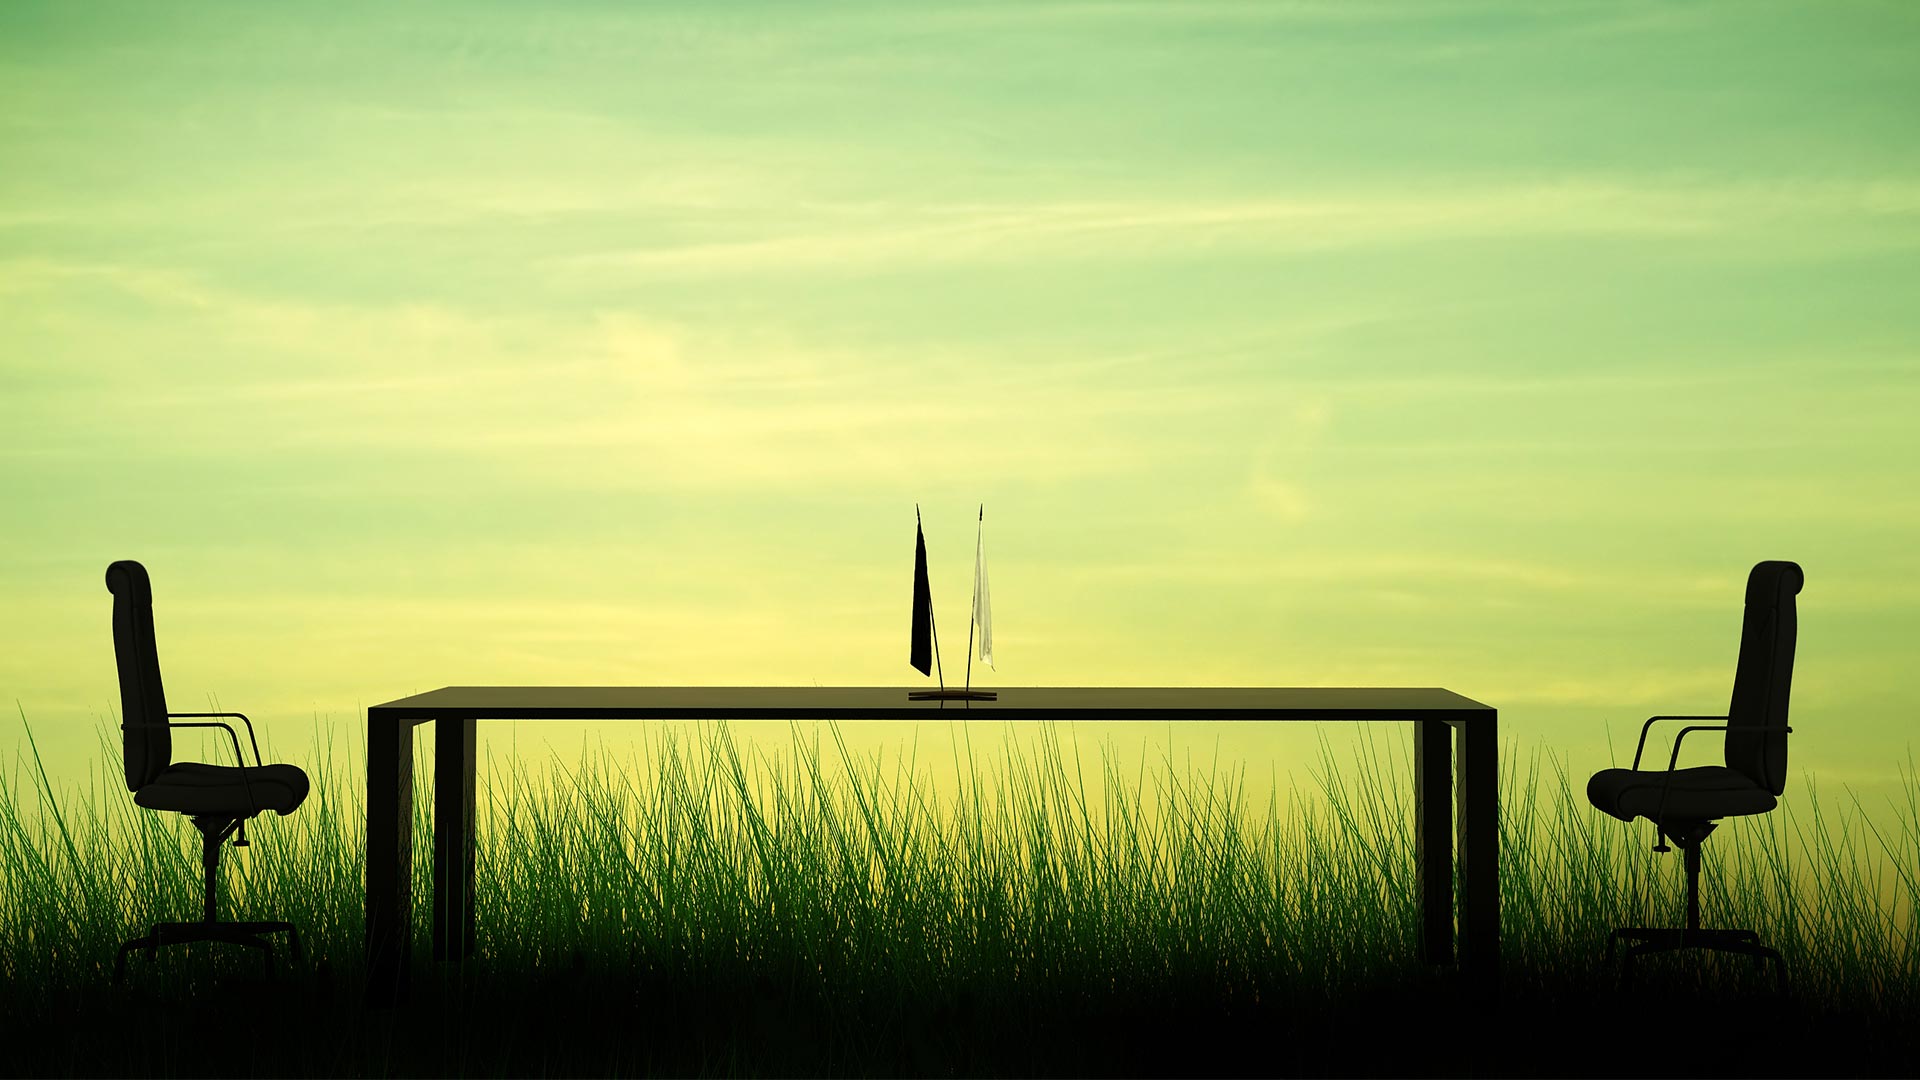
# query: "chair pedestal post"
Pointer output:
{"type": "Point", "coordinates": [1693, 884]}
{"type": "Point", "coordinates": [209, 858]}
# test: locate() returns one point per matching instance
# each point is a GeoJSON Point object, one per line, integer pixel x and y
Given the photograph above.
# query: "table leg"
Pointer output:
{"type": "Point", "coordinates": [389, 859]}
{"type": "Point", "coordinates": [453, 839]}
{"type": "Point", "coordinates": [1479, 817]}
{"type": "Point", "coordinates": [1433, 837]}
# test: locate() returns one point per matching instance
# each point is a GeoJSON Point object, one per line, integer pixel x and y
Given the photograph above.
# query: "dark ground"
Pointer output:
{"type": "Point", "coordinates": [220, 1018]}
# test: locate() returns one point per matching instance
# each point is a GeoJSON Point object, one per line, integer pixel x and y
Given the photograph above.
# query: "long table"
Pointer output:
{"type": "Point", "coordinates": [455, 710]}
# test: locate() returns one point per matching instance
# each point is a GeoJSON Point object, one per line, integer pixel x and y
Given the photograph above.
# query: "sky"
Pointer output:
{"type": "Point", "coordinates": [1475, 345]}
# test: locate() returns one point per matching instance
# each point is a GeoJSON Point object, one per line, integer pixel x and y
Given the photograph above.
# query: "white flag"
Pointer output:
{"type": "Point", "coordinates": [982, 605]}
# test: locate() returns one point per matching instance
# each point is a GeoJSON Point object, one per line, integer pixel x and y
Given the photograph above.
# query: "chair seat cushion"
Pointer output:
{"type": "Point", "coordinates": [1705, 793]}
{"type": "Point", "coordinates": [190, 787]}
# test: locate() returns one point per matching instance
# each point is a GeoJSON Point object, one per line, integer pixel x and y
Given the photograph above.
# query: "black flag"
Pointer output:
{"type": "Point", "coordinates": [922, 657]}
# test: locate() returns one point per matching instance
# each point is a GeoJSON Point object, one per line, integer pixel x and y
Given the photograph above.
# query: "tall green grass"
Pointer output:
{"type": "Point", "coordinates": [818, 875]}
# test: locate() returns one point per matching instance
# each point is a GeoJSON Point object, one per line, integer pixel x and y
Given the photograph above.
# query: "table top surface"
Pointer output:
{"type": "Point", "coordinates": [891, 703]}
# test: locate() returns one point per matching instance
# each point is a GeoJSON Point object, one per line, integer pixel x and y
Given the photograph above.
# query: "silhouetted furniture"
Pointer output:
{"type": "Point", "coordinates": [1684, 804]}
{"type": "Point", "coordinates": [218, 798]}
{"type": "Point", "coordinates": [454, 710]}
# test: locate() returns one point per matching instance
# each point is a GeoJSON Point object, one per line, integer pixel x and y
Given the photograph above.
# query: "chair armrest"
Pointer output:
{"type": "Point", "coordinates": [1648, 726]}
{"type": "Point", "coordinates": [239, 758]}
{"type": "Point", "coordinates": [243, 719]}
{"type": "Point", "coordinates": [1674, 758]}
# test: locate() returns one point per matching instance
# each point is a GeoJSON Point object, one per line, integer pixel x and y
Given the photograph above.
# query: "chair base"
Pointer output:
{"type": "Point", "coordinates": [235, 933]}
{"type": "Point", "coordinates": [1645, 940]}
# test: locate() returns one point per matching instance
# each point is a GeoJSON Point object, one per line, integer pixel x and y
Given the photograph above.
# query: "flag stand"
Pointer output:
{"type": "Point", "coordinates": [952, 695]}
{"type": "Point", "coordinates": [923, 618]}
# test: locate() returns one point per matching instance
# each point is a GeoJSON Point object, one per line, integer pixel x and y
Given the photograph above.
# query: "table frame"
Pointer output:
{"type": "Point", "coordinates": [1436, 714]}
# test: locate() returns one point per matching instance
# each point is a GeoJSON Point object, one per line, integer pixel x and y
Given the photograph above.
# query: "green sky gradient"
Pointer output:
{"type": "Point", "coordinates": [1475, 345]}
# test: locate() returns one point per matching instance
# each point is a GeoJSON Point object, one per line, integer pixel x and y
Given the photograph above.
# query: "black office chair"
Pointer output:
{"type": "Point", "coordinates": [1684, 803]}
{"type": "Point", "coordinates": [218, 798]}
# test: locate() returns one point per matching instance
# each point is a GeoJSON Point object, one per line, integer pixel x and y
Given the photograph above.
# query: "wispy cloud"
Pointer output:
{"type": "Point", "coordinates": [606, 400]}
{"type": "Point", "coordinates": [1450, 569]}
{"type": "Point", "coordinates": [1880, 213]}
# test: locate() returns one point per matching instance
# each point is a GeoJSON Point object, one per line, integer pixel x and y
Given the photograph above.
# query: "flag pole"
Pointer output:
{"type": "Point", "coordinates": [936, 648]}
{"type": "Point", "coordinates": [975, 613]}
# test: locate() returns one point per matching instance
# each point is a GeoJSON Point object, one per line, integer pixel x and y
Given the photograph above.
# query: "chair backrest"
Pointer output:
{"type": "Point", "coordinates": [148, 750]}
{"type": "Point", "coordinates": [1765, 675]}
